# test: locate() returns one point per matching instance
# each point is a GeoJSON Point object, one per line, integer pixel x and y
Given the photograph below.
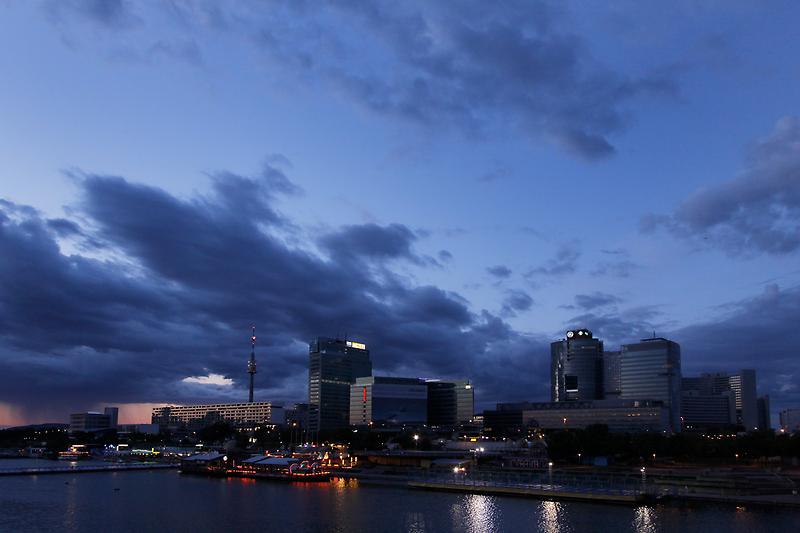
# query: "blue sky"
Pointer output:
{"type": "Point", "coordinates": [485, 176]}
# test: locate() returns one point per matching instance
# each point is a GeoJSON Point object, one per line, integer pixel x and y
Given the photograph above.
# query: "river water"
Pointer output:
{"type": "Point", "coordinates": [168, 501]}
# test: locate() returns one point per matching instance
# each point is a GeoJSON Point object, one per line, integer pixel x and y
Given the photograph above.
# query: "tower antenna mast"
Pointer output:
{"type": "Point", "coordinates": [251, 365]}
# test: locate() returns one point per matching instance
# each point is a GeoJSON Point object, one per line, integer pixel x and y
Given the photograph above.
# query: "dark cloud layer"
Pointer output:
{"type": "Point", "coordinates": [113, 14]}
{"type": "Point", "coordinates": [169, 287]}
{"type": "Point", "coordinates": [754, 333]}
{"type": "Point", "coordinates": [595, 300]}
{"type": "Point", "coordinates": [371, 241]}
{"type": "Point", "coordinates": [756, 212]}
{"type": "Point", "coordinates": [564, 262]}
{"type": "Point", "coordinates": [516, 301]}
{"type": "Point", "coordinates": [499, 271]}
{"type": "Point", "coordinates": [173, 285]}
{"type": "Point", "coordinates": [473, 66]}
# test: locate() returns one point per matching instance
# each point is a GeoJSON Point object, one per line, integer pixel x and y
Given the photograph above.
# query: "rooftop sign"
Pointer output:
{"type": "Point", "coordinates": [357, 345]}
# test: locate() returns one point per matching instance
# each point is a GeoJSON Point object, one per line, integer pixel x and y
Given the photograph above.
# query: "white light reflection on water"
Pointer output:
{"type": "Point", "coordinates": [70, 513]}
{"type": "Point", "coordinates": [644, 521]}
{"type": "Point", "coordinates": [551, 517]}
{"type": "Point", "coordinates": [415, 523]}
{"type": "Point", "coordinates": [476, 513]}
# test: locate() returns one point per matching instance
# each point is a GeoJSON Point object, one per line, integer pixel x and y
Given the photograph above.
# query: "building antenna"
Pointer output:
{"type": "Point", "coordinates": [251, 365]}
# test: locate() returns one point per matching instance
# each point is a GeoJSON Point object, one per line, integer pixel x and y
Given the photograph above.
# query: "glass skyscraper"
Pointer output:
{"type": "Point", "coordinates": [388, 401]}
{"type": "Point", "coordinates": [576, 366]}
{"type": "Point", "coordinates": [334, 365]}
{"type": "Point", "coordinates": [651, 370]}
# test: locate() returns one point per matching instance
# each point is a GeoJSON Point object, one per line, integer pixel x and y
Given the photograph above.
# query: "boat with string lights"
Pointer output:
{"type": "Point", "coordinates": [257, 467]}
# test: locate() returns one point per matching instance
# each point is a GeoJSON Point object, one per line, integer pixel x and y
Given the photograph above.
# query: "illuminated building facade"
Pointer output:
{"type": "Point", "coordinates": [334, 365]}
{"type": "Point", "coordinates": [196, 416]}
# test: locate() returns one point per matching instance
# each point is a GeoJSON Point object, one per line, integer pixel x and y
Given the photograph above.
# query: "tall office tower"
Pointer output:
{"type": "Point", "coordinates": [388, 401]}
{"type": "Point", "coordinates": [450, 402]}
{"type": "Point", "coordinates": [113, 416]}
{"type": "Point", "coordinates": [651, 370]}
{"type": "Point", "coordinates": [612, 383]}
{"type": "Point", "coordinates": [764, 422]}
{"type": "Point", "coordinates": [743, 387]}
{"type": "Point", "coordinates": [442, 403]}
{"type": "Point", "coordinates": [465, 401]}
{"type": "Point", "coordinates": [334, 365]}
{"type": "Point", "coordinates": [576, 367]}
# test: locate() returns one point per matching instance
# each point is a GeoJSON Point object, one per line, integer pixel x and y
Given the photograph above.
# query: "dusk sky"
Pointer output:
{"type": "Point", "coordinates": [454, 184]}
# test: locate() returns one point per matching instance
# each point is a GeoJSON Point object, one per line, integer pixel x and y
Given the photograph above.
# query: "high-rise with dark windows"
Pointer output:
{"type": "Point", "coordinates": [334, 365]}
{"type": "Point", "coordinates": [576, 366]}
{"type": "Point", "coordinates": [764, 419]}
{"type": "Point", "coordinates": [651, 370]}
{"type": "Point", "coordinates": [450, 402]}
{"type": "Point", "coordinates": [612, 384]}
{"type": "Point", "coordinates": [742, 385]}
{"type": "Point", "coordinates": [388, 401]}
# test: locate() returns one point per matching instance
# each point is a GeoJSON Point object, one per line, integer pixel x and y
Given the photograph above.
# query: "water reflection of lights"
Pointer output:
{"type": "Point", "coordinates": [415, 523]}
{"type": "Point", "coordinates": [71, 511]}
{"type": "Point", "coordinates": [340, 484]}
{"type": "Point", "coordinates": [477, 513]}
{"type": "Point", "coordinates": [551, 517]}
{"type": "Point", "coordinates": [645, 520]}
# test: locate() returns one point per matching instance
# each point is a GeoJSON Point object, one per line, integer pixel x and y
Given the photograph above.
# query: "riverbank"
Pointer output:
{"type": "Point", "coordinates": [732, 488]}
{"type": "Point", "coordinates": [77, 468]}
{"type": "Point", "coordinates": [163, 500]}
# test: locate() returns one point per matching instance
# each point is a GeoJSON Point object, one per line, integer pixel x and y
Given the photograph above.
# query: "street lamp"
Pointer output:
{"type": "Point", "coordinates": [579, 458]}
{"type": "Point", "coordinates": [416, 441]}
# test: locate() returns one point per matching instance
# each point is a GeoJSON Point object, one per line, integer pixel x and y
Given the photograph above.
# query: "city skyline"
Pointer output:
{"type": "Point", "coordinates": [173, 175]}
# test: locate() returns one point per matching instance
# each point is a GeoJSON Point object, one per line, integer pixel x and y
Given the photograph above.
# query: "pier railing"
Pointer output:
{"type": "Point", "coordinates": [556, 482]}
{"type": "Point", "coordinates": [610, 484]}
